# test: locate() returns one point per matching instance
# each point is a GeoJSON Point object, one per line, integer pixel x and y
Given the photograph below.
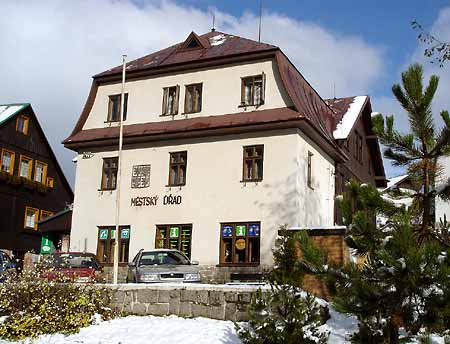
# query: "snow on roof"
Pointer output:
{"type": "Point", "coordinates": [347, 122]}
{"type": "Point", "coordinates": [395, 180]}
{"type": "Point", "coordinates": [217, 40]}
{"type": "Point", "coordinates": [7, 111]}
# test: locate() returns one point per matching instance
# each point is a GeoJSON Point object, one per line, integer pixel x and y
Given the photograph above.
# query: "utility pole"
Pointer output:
{"type": "Point", "coordinates": [119, 172]}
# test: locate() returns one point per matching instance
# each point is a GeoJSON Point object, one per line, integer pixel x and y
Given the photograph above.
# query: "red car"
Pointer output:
{"type": "Point", "coordinates": [80, 267]}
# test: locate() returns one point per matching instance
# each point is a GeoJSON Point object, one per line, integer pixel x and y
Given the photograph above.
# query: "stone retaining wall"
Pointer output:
{"type": "Point", "coordinates": [223, 302]}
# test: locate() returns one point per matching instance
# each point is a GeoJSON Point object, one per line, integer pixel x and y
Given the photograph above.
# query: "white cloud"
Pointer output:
{"type": "Point", "coordinates": [51, 48]}
{"type": "Point", "coordinates": [388, 105]}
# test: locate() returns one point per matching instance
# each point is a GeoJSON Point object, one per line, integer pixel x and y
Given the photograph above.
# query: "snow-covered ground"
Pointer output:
{"type": "Point", "coordinates": [148, 330]}
{"type": "Point", "coordinates": [173, 329]}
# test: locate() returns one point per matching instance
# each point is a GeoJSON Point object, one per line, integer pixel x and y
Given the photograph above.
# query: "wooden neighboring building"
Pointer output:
{"type": "Point", "coordinates": [32, 184]}
{"type": "Point", "coordinates": [354, 134]}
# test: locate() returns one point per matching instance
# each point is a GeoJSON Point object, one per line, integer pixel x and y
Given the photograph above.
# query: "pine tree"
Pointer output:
{"type": "Point", "coordinates": [398, 283]}
{"type": "Point", "coordinates": [284, 314]}
{"type": "Point", "coordinates": [420, 149]}
{"type": "Point", "coordinates": [400, 278]}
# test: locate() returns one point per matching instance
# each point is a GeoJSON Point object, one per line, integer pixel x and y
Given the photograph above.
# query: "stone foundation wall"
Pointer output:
{"type": "Point", "coordinates": [209, 273]}
{"type": "Point", "coordinates": [223, 274]}
{"type": "Point", "coordinates": [223, 302]}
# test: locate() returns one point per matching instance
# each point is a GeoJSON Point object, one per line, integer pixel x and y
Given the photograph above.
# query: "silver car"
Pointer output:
{"type": "Point", "coordinates": [162, 265]}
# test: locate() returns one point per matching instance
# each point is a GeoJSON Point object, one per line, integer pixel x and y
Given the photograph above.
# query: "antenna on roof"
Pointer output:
{"type": "Point", "coordinates": [214, 22]}
{"type": "Point", "coordinates": [334, 90]}
{"type": "Point", "coordinates": [260, 20]}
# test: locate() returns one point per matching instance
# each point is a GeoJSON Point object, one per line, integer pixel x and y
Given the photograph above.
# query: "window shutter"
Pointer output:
{"type": "Point", "coordinates": [177, 96]}
{"type": "Point", "coordinates": [110, 106]}
{"type": "Point", "coordinates": [263, 91]}
{"type": "Point", "coordinates": [11, 163]}
{"type": "Point", "coordinates": [199, 99]}
{"type": "Point", "coordinates": [164, 102]}
{"type": "Point", "coordinates": [25, 127]}
{"type": "Point", "coordinates": [125, 106]}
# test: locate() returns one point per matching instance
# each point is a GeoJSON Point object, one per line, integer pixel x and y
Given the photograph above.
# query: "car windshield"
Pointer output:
{"type": "Point", "coordinates": [163, 258]}
{"type": "Point", "coordinates": [71, 260]}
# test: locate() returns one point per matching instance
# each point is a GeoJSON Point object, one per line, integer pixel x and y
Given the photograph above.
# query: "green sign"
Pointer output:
{"type": "Point", "coordinates": [174, 232]}
{"type": "Point", "coordinates": [113, 233]}
{"type": "Point", "coordinates": [103, 234]}
{"type": "Point", "coordinates": [125, 233]}
{"type": "Point", "coordinates": [240, 230]}
{"type": "Point", "coordinates": [46, 245]}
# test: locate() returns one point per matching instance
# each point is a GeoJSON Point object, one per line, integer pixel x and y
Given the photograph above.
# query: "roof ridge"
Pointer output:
{"type": "Point", "coordinates": [174, 54]}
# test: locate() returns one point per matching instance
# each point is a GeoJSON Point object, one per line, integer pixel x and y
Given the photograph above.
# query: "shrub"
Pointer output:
{"type": "Point", "coordinates": [34, 306]}
{"type": "Point", "coordinates": [285, 314]}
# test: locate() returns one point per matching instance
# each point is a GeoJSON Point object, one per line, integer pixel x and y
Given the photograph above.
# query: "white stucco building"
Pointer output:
{"type": "Point", "coordinates": [224, 141]}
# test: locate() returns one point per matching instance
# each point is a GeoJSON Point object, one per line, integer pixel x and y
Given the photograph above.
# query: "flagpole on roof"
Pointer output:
{"type": "Point", "coordinates": [260, 20]}
{"type": "Point", "coordinates": [119, 172]}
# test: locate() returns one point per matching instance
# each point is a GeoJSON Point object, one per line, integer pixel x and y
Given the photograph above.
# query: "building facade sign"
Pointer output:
{"type": "Point", "coordinates": [103, 234]}
{"type": "Point", "coordinates": [240, 230]}
{"type": "Point", "coordinates": [144, 201]}
{"type": "Point", "coordinates": [240, 244]}
{"type": "Point", "coordinates": [46, 245]}
{"type": "Point", "coordinates": [171, 199]}
{"type": "Point", "coordinates": [174, 232]}
{"type": "Point", "coordinates": [125, 233]}
{"type": "Point", "coordinates": [253, 230]}
{"type": "Point", "coordinates": [140, 177]}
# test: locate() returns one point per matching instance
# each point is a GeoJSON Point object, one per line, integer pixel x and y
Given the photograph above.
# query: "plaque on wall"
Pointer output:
{"type": "Point", "coordinates": [140, 177]}
{"type": "Point", "coordinates": [240, 244]}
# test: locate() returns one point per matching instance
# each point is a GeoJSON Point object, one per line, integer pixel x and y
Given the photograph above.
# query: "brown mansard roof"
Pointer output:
{"type": "Point", "coordinates": [213, 49]}
{"type": "Point", "coordinates": [212, 45]}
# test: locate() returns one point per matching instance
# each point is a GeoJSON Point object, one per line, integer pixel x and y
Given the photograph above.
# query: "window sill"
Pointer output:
{"type": "Point", "coordinates": [232, 265]}
{"type": "Point", "coordinates": [31, 230]}
{"type": "Point", "coordinates": [189, 113]}
{"type": "Point", "coordinates": [251, 181]}
{"type": "Point", "coordinates": [113, 123]}
{"type": "Point", "coordinates": [102, 190]}
{"type": "Point", "coordinates": [176, 185]}
{"type": "Point", "coordinates": [169, 115]}
{"type": "Point", "coordinates": [249, 105]}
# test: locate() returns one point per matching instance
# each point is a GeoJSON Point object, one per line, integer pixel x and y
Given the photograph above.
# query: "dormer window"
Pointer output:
{"type": "Point", "coordinates": [114, 108]}
{"type": "Point", "coordinates": [192, 42]}
{"type": "Point", "coordinates": [170, 100]}
{"type": "Point", "coordinates": [253, 89]}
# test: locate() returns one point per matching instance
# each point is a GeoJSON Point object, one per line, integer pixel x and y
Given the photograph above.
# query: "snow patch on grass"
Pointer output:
{"type": "Point", "coordinates": [148, 330]}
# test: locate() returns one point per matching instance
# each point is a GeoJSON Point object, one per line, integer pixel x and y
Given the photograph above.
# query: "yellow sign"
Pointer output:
{"type": "Point", "coordinates": [240, 244]}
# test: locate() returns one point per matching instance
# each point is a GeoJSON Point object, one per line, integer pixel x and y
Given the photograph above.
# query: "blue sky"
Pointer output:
{"type": "Point", "coordinates": [386, 24]}
{"type": "Point", "coordinates": [51, 48]}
